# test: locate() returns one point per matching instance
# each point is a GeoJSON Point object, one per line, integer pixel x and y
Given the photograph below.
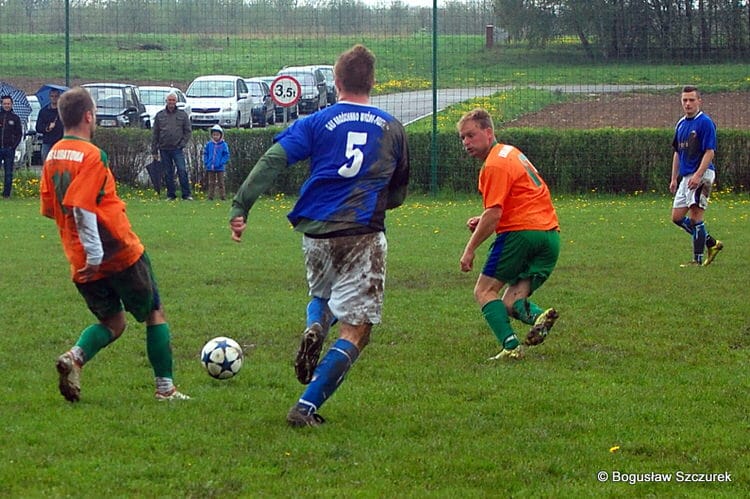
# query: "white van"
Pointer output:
{"type": "Point", "coordinates": [220, 100]}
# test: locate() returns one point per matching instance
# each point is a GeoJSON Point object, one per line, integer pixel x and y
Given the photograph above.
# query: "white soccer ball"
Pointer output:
{"type": "Point", "coordinates": [222, 357]}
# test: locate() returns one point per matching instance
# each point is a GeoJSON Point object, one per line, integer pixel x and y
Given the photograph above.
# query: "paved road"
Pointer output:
{"type": "Point", "coordinates": [411, 106]}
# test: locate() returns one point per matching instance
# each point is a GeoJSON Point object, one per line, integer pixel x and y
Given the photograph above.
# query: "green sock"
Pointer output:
{"type": "Point", "coordinates": [93, 339]}
{"type": "Point", "coordinates": [159, 350]}
{"type": "Point", "coordinates": [497, 317]}
{"type": "Point", "coordinates": [526, 311]}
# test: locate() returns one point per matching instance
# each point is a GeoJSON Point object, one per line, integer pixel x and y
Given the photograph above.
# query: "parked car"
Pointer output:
{"type": "Point", "coordinates": [327, 71]}
{"type": "Point", "coordinates": [154, 98]}
{"type": "Point", "coordinates": [25, 153]}
{"type": "Point", "coordinates": [313, 83]}
{"type": "Point", "coordinates": [118, 105]}
{"type": "Point", "coordinates": [292, 111]}
{"type": "Point", "coordinates": [220, 100]}
{"type": "Point", "coordinates": [264, 112]}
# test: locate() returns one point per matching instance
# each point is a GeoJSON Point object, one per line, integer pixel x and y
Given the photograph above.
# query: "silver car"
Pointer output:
{"type": "Point", "coordinates": [221, 100]}
{"type": "Point", "coordinates": [154, 98]}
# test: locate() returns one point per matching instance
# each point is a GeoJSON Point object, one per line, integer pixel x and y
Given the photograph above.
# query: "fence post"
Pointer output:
{"type": "Point", "coordinates": [489, 38]}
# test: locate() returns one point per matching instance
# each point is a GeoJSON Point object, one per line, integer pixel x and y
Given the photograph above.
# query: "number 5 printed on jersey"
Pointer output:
{"type": "Point", "coordinates": [353, 153]}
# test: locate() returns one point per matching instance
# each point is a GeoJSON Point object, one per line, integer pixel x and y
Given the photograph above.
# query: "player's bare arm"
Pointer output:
{"type": "Point", "coordinates": [485, 227]}
{"type": "Point", "coordinates": [471, 223]}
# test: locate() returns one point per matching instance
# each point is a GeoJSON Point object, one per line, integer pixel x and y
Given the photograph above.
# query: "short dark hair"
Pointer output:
{"type": "Point", "coordinates": [6, 97]}
{"type": "Point", "coordinates": [691, 88]}
{"type": "Point", "coordinates": [355, 70]}
{"type": "Point", "coordinates": [73, 105]}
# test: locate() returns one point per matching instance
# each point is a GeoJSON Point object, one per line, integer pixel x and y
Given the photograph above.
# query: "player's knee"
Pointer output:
{"type": "Point", "coordinates": [116, 325]}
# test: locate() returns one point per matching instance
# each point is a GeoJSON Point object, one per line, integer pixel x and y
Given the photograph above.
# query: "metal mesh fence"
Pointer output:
{"type": "Point", "coordinates": [516, 58]}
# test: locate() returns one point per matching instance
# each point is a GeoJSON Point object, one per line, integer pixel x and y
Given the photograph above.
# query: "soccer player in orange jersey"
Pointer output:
{"type": "Point", "coordinates": [518, 210]}
{"type": "Point", "coordinates": [108, 263]}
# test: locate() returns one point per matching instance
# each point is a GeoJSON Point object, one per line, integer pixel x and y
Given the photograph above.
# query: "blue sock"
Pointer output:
{"type": "Point", "coordinates": [699, 241]}
{"type": "Point", "coordinates": [318, 311]}
{"type": "Point", "coordinates": [315, 310]}
{"type": "Point", "coordinates": [686, 225]}
{"type": "Point", "coordinates": [329, 375]}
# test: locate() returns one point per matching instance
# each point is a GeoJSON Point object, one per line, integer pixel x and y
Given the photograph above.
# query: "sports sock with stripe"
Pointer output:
{"type": "Point", "coordinates": [699, 241]}
{"type": "Point", "coordinates": [497, 317]}
{"type": "Point", "coordinates": [685, 224]}
{"type": "Point", "coordinates": [329, 375]}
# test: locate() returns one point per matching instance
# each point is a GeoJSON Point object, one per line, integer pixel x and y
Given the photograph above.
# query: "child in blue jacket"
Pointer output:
{"type": "Point", "coordinates": [215, 159]}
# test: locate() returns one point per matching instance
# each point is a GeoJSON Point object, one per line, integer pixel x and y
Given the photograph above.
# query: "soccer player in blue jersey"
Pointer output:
{"type": "Point", "coordinates": [359, 168]}
{"type": "Point", "coordinates": [693, 175]}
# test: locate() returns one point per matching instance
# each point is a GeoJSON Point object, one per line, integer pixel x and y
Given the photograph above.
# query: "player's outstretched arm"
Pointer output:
{"type": "Point", "coordinates": [259, 179]}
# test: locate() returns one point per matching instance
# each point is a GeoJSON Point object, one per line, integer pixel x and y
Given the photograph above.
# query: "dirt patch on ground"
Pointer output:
{"type": "Point", "coordinates": [728, 110]}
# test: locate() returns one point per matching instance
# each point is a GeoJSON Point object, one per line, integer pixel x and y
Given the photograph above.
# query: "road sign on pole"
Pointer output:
{"type": "Point", "coordinates": [286, 92]}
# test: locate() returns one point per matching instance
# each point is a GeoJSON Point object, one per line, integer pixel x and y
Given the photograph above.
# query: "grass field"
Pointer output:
{"type": "Point", "coordinates": [646, 371]}
{"type": "Point", "coordinates": [403, 62]}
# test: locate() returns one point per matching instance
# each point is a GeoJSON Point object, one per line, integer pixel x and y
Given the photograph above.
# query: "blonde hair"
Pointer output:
{"type": "Point", "coordinates": [478, 115]}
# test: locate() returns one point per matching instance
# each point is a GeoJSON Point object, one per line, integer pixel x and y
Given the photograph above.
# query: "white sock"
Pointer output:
{"type": "Point", "coordinates": [164, 385]}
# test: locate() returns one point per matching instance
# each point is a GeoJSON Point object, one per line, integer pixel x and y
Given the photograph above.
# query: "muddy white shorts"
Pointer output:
{"type": "Point", "coordinates": [349, 271]}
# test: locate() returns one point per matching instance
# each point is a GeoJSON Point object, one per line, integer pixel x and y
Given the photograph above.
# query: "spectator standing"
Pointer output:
{"type": "Point", "coordinates": [11, 133]}
{"type": "Point", "coordinates": [108, 263]}
{"type": "Point", "coordinates": [693, 175]}
{"type": "Point", "coordinates": [359, 168]}
{"type": "Point", "coordinates": [518, 211]}
{"type": "Point", "coordinates": [215, 159]}
{"type": "Point", "coordinates": [171, 131]}
{"type": "Point", "coordinates": [48, 124]}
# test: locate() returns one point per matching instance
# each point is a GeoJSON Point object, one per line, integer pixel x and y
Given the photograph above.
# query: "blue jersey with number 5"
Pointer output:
{"type": "Point", "coordinates": [357, 154]}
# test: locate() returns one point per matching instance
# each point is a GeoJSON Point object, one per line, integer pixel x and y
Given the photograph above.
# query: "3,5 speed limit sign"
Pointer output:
{"type": "Point", "coordinates": [286, 91]}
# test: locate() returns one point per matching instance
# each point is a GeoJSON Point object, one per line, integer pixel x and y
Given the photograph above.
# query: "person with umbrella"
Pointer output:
{"type": "Point", "coordinates": [48, 122]}
{"type": "Point", "coordinates": [11, 133]}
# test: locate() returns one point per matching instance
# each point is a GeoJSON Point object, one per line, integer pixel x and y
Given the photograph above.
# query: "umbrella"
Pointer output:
{"type": "Point", "coordinates": [43, 93]}
{"type": "Point", "coordinates": [21, 104]}
{"type": "Point", "coordinates": [156, 174]}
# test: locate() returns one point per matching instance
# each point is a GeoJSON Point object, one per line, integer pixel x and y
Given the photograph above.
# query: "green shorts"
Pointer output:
{"type": "Point", "coordinates": [133, 289]}
{"type": "Point", "coordinates": [525, 254]}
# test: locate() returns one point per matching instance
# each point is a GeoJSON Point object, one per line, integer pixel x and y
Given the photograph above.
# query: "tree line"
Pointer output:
{"type": "Point", "coordinates": [243, 17]}
{"type": "Point", "coordinates": [639, 29]}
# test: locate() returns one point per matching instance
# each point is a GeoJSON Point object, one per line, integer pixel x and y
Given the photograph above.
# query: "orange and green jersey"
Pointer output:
{"type": "Point", "coordinates": [508, 180]}
{"type": "Point", "coordinates": [76, 174]}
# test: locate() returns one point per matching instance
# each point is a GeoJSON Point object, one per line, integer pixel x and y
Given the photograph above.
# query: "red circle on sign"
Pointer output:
{"type": "Point", "coordinates": [286, 91]}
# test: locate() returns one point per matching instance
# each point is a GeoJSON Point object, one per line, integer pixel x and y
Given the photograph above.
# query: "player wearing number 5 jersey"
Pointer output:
{"type": "Point", "coordinates": [518, 210]}
{"type": "Point", "coordinates": [359, 168]}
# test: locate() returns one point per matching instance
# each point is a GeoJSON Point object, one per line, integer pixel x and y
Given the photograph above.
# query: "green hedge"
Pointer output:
{"type": "Point", "coordinates": [571, 161]}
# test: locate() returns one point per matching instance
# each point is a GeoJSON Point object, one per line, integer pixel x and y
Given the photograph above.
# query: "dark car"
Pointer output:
{"type": "Point", "coordinates": [314, 89]}
{"type": "Point", "coordinates": [327, 71]}
{"type": "Point", "coordinates": [118, 105]}
{"type": "Point", "coordinates": [264, 110]}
